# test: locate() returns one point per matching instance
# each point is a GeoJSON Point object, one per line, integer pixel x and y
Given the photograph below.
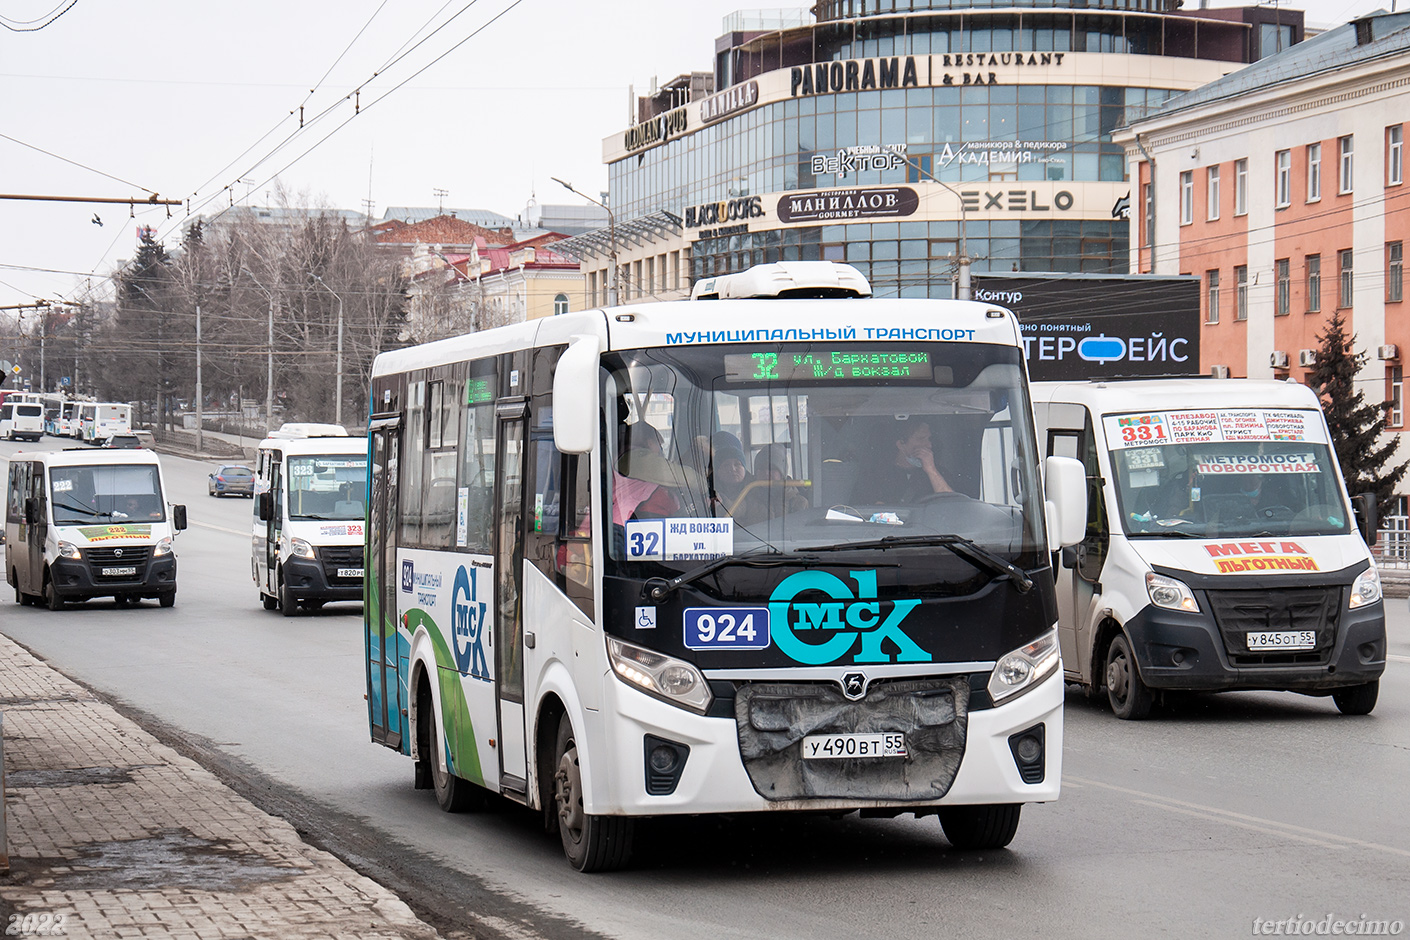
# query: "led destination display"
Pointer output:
{"type": "Point", "coordinates": [835, 365]}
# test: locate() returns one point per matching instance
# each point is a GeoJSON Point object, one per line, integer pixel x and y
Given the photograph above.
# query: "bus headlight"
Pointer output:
{"type": "Point", "coordinates": [1024, 668]}
{"type": "Point", "coordinates": [1366, 589]}
{"type": "Point", "coordinates": [1170, 594]}
{"type": "Point", "coordinates": [162, 548]}
{"type": "Point", "coordinates": [673, 680]}
{"type": "Point", "coordinates": [68, 550]}
{"type": "Point", "coordinates": [300, 549]}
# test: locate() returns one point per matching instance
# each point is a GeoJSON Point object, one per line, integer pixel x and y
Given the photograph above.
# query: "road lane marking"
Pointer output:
{"type": "Point", "coordinates": [218, 528]}
{"type": "Point", "coordinates": [1398, 658]}
{"type": "Point", "coordinates": [1300, 833]}
{"type": "Point", "coordinates": [1243, 825]}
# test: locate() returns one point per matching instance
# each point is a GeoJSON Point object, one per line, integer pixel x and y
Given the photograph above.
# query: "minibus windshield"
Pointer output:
{"type": "Point", "coordinates": [719, 451]}
{"type": "Point", "coordinates": [106, 493]}
{"type": "Point", "coordinates": [1218, 485]}
{"type": "Point", "coordinates": [327, 487]}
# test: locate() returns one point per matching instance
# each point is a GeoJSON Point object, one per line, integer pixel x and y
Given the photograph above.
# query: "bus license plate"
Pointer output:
{"type": "Point", "coordinates": [1281, 640]}
{"type": "Point", "coordinates": [349, 572]}
{"type": "Point", "coordinates": [118, 572]}
{"type": "Point", "coordinates": [834, 746]}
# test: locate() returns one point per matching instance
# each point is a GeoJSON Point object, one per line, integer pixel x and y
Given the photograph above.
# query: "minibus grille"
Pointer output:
{"type": "Point", "coordinates": [335, 557]}
{"type": "Point", "coordinates": [774, 717]}
{"type": "Point", "coordinates": [128, 556]}
{"type": "Point", "coordinates": [1239, 613]}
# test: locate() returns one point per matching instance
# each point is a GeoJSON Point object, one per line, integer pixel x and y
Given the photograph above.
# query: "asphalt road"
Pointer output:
{"type": "Point", "coordinates": [1219, 810]}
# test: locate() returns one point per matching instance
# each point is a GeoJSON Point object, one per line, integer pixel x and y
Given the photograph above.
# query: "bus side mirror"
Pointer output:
{"type": "Point", "coordinates": [1364, 506]}
{"type": "Point", "coordinates": [178, 517]}
{"type": "Point", "coordinates": [1065, 484]}
{"type": "Point", "coordinates": [575, 401]}
{"type": "Point", "coordinates": [266, 506]}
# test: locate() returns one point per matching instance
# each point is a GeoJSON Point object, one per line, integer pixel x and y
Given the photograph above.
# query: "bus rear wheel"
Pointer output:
{"type": "Point", "coordinates": [591, 843]}
{"type": "Point", "coordinates": [990, 826]}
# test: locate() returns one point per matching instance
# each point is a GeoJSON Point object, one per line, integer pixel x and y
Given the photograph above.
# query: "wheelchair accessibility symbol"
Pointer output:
{"type": "Point", "coordinates": [645, 618]}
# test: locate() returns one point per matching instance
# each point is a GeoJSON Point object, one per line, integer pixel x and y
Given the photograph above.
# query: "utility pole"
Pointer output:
{"type": "Point", "coordinates": [611, 239]}
{"type": "Point", "coordinates": [200, 391]}
{"type": "Point", "coordinates": [269, 378]}
{"type": "Point", "coordinates": [338, 394]}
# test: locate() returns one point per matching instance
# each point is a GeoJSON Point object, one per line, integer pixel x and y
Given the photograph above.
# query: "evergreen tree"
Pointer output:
{"type": "Point", "coordinates": [1355, 426]}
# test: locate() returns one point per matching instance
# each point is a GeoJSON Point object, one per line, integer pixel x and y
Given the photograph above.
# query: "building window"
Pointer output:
{"type": "Point", "coordinates": [1344, 277]}
{"type": "Point", "coordinates": [1213, 193]}
{"type": "Point", "coordinates": [560, 305]}
{"type": "Point", "coordinates": [1241, 292]}
{"type": "Point", "coordinates": [1240, 187]}
{"type": "Point", "coordinates": [1314, 283]}
{"type": "Point", "coordinates": [1187, 197]}
{"type": "Point", "coordinates": [1212, 279]}
{"type": "Point", "coordinates": [1282, 165]}
{"type": "Point", "coordinates": [1395, 272]}
{"type": "Point", "coordinates": [1284, 302]}
{"type": "Point", "coordinates": [1397, 397]}
{"type": "Point", "coordinates": [1314, 172]}
{"type": "Point", "coordinates": [1344, 148]}
{"type": "Point", "coordinates": [1395, 159]}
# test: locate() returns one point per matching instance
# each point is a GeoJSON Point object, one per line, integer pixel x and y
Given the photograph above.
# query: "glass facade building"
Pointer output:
{"type": "Point", "coordinates": [897, 134]}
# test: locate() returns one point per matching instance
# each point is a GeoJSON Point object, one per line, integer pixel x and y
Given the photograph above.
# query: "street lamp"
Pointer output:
{"type": "Point", "coordinates": [338, 401]}
{"type": "Point", "coordinates": [611, 237]}
{"type": "Point", "coordinates": [962, 289]}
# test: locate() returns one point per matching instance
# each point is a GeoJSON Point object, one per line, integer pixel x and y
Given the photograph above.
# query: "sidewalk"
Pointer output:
{"type": "Point", "coordinates": [120, 836]}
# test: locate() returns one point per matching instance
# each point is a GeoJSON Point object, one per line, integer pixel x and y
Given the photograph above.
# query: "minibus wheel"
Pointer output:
{"type": "Point", "coordinates": [591, 843]}
{"type": "Point", "coordinates": [168, 599]}
{"type": "Point", "coordinates": [988, 826]}
{"type": "Point", "coordinates": [269, 601]}
{"type": "Point", "coordinates": [1357, 699]}
{"type": "Point", "coordinates": [51, 595]}
{"type": "Point", "coordinates": [1129, 697]}
{"type": "Point", "coordinates": [287, 605]}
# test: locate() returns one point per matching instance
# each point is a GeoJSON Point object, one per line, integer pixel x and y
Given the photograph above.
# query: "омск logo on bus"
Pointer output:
{"type": "Point", "coordinates": [852, 620]}
{"type": "Point", "coordinates": [467, 625]}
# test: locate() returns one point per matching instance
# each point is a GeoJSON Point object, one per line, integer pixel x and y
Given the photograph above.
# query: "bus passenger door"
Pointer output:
{"type": "Point", "coordinates": [1078, 573]}
{"type": "Point", "coordinates": [275, 525]}
{"type": "Point", "coordinates": [379, 587]}
{"type": "Point", "coordinates": [508, 635]}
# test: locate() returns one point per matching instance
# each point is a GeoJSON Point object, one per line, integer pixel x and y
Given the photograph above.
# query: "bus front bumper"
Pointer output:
{"type": "Point", "coordinates": [78, 579]}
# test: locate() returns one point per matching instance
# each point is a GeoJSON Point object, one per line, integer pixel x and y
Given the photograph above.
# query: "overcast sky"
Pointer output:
{"type": "Point", "coordinates": [188, 97]}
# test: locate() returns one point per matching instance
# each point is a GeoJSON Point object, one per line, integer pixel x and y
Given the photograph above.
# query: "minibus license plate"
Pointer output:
{"type": "Point", "coordinates": [349, 572]}
{"type": "Point", "coordinates": [835, 746]}
{"type": "Point", "coordinates": [1281, 640]}
{"type": "Point", "coordinates": [118, 572]}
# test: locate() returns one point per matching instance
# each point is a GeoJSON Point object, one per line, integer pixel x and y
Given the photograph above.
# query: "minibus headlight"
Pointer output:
{"type": "Point", "coordinates": [1366, 589]}
{"type": "Point", "coordinates": [1170, 594]}
{"type": "Point", "coordinates": [162, 548]}
{"type": "Point", "coordinates": [68, 550]}
{"type": "Point", "coordinates": [665, 677]}
{"type": "Point", "coordinates": [1024, 668]}
{"type": "Point", "coordinates": [300, 548]}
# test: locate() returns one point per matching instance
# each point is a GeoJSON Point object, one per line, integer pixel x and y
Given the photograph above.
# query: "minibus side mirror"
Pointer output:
{"type": "Point", "coordinates": [575, 396]}
{"type": "Point", "coordinates": [1065, 485]}
{"type": "Point", "coordinates": [266, 506]}
{"type": "Point", "coordinates": [178, 517]}
{"type": "Point", "coordinates": [35, 512]}
{"type": "Point", "coordinates": [1364, 506]}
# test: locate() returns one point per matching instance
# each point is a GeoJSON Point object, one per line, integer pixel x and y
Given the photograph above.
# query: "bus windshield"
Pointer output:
{"type": "Point", "coordinates": [717, 451]}
{"type": "Point", "coordinates": [1222, 480]}
{"type": "Point", "coordinates": [327, 486]}
{"type": "Point", "coordinates": [106, 493]}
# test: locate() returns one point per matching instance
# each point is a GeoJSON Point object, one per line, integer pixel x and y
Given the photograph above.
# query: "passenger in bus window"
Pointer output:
{"type": "Point", "coordinates": [771, 495]}
{"type": "Point", "coordinates": [642, 484]}
{"type": "Point", "coordinates": [909, 472]}
{"type": "Point", "coordinates": [727, 473]}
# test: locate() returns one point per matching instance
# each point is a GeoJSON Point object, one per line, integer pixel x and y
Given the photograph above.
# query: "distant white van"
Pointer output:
{"type": "Point", "coordinates": [21, 420]}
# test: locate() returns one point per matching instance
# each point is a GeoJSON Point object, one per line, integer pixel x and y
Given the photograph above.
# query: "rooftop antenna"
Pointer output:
{"type": "Point", "coordinates": [441, 195]}
{"type": "Point", "coordinates": [367, 203]}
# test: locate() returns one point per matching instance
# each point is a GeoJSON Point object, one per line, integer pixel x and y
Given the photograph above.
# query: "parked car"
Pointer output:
{"type": "Point", "coordinates": [232, 480]}
{"type": "Point", "coordinates": [129, 441]}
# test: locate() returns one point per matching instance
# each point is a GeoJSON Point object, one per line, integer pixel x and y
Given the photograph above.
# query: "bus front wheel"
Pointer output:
{"type": "Point", "coordinates": [1357, 699]}
{"type": "Point", "coordinates": [453, 794]}
{"type": "Point", "coordinates": [591, 843]}
{"type": "Point", "coordinates": [1129, 697]}
{"type": "Point", "coordinates": [989, 826]}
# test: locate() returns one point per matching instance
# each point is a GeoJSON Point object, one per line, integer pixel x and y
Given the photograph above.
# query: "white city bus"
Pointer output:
{"type": "Point", "coordinates": [697, 557]}
{"type": "Point", "coordinates": [21, 419]}
{"type": "Point", "coordinates": [309, 512]}
{"type": "Point", "coordinates": [98, 421]}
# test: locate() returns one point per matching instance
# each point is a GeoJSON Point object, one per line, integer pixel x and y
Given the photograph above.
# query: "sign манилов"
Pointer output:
{"type": "Point", "coordinates": [842, 204]}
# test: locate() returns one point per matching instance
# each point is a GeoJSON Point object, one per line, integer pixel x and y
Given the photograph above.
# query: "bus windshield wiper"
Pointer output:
{"type": "Point", "coordinates": [659, 588]}
{"type": "Point", "coordinates": [967, 549]}
{"type": "Point", "coordinates": [74, 507]}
